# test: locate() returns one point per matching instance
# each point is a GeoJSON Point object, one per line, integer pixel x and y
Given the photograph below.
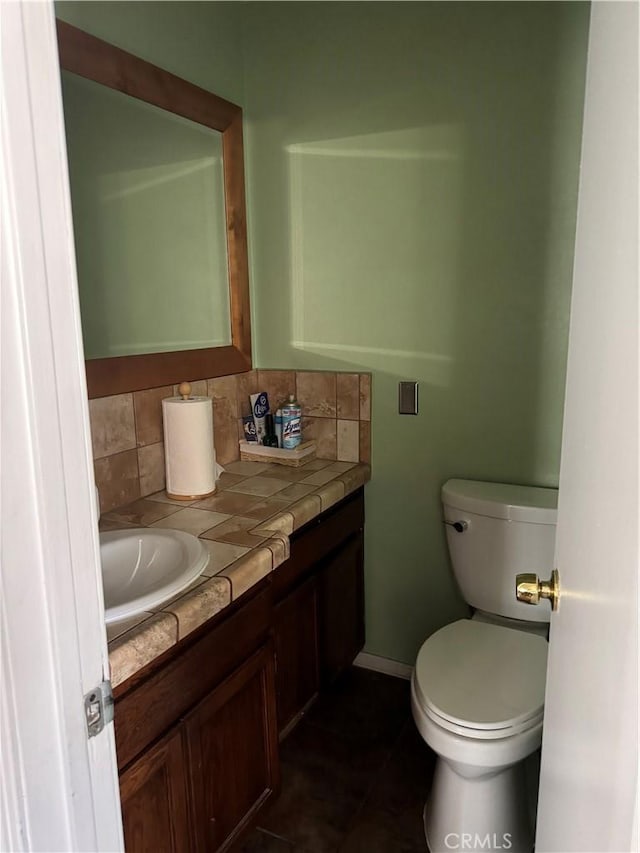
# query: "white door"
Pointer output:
{"type": "Point", "coordinates": [58, 789]}
{"type": "Point", "coordinates": [588, 785]}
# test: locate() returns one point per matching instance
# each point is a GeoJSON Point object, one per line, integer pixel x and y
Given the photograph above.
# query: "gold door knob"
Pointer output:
{"type": "Point", "coordinates": [530, 590]}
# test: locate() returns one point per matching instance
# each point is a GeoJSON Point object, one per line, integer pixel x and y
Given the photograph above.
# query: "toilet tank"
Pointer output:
{"type": "Point", "coordinates": [503, 530]}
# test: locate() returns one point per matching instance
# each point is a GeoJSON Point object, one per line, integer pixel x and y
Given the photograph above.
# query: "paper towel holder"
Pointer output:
{"type": "Point", "coordinates": [189, 449]}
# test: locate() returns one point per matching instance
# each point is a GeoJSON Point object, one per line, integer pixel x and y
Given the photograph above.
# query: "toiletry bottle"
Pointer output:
{"type": "Point", "coordinates": [259, 408]}
{"type": "Point", "coordinates": [278, 425]}
{"type": "Point", "coordinates": [291, 424]}
{"type": "Point", "coordinates": [249, 429]}
{"type": "Point", "coordinates": [269, 439]}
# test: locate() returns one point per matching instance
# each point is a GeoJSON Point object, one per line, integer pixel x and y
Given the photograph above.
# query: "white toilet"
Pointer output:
{"type": "Point", "coordinates": [477, 693]}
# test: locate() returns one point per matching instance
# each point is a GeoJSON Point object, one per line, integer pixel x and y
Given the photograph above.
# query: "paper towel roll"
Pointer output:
{"type": "Point", "coordinates": [189, 454]}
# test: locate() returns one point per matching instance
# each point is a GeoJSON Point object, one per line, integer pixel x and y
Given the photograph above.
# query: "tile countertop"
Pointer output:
{"type": "Point", "coordinates": [246, 527]}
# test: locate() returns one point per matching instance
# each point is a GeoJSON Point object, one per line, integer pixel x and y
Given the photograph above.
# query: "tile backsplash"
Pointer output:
{"type": "Point", "coordinates": [127, 437]}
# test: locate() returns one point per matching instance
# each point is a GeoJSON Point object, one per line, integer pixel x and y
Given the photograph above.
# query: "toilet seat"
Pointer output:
{"type": "Point", "coordinates": [482, 734]}
{"type": "Point", "coordinates": [481, 680]}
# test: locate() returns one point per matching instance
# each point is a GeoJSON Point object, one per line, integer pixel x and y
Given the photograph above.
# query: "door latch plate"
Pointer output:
{"type": "Point", "coordinates": [98, 708]}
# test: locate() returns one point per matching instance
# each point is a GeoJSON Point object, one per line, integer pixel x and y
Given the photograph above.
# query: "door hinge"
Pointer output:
{"type": "Point", "coordinates": [98, 708]}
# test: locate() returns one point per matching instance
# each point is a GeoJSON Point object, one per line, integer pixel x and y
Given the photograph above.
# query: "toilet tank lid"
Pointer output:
{"type": "Point", "coordinates": [502, 500]}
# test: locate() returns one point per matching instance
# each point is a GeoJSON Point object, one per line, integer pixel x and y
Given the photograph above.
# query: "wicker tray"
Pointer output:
{"type": "Point", "coordinates": [251, 451]}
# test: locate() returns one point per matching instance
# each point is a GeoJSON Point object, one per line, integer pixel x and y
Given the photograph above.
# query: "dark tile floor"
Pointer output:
{"type": "Point", "coordinates": [355, 775]}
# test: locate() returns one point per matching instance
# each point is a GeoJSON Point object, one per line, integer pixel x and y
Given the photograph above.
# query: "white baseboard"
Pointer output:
{"type": "Point", "coordinates": [386, 665]}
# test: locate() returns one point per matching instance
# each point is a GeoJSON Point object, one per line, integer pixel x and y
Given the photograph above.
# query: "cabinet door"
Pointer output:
{"type": "Point", "coordinates": [154, 800]}
{"type": "Point", "coordinates": [342, 607]}
{"type": "Point", "coordinates": [296, 636]}
{"type": "Point", "coordinates": [232, 743]}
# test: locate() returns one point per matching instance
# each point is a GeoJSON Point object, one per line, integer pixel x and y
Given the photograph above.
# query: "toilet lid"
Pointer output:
{"type": "Point", "coordinates": [482, 676]}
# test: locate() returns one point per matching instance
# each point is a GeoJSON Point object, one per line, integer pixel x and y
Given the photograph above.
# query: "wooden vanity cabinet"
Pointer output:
{"type": "Point", "coordinates": [319, 610]}
{"type": "Point", "coordinates": [197, 729]}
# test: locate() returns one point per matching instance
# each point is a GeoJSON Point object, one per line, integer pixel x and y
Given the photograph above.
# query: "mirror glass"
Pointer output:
{"type": "Point", "coordinates": [149, 219]}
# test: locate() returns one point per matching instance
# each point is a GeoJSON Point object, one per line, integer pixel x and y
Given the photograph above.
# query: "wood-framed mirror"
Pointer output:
{"type": "Point", "coordinates": [99, 62]}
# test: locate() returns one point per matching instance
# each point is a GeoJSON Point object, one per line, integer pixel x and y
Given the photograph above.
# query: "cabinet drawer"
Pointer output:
{"type": "Point", "coordinates": [152, 705]}
{"type": "Point", "coordinates": [317, 540]}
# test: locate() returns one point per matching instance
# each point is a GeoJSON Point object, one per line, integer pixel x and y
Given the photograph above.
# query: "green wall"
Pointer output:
{"type": "Point", "coordinates": [412, 181]}
{"type": "Point", "coordinates": [412, 186]}
{"type": "Point", "coordinates": [199, 41]}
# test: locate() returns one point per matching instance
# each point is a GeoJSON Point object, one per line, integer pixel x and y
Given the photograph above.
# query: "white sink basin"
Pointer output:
{"type": "Point", "coordinates": [142, 568]}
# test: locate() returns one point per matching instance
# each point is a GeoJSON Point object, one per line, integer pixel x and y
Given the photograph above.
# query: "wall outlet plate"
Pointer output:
{"type": "Point", "coordinates": [408, 398]}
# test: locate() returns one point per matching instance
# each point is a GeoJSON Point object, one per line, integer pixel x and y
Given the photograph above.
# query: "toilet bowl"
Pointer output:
{"type": "Point", "coordinates": [477, 697]}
